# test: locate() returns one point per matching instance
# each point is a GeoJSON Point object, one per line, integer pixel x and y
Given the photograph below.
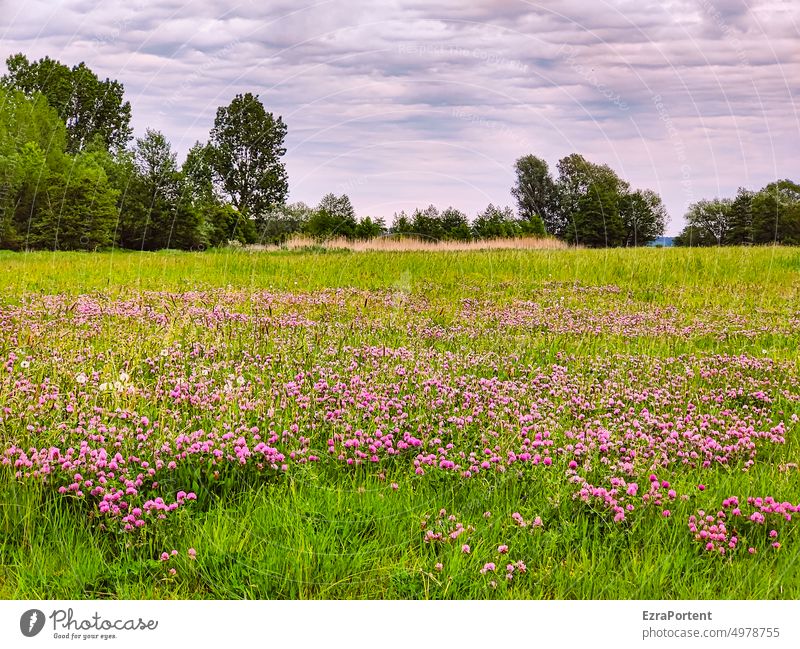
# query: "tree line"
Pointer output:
{"type": "Point", "coordinates": [769, 215]}
{"type": "Point", "coordinates": [72, 176]}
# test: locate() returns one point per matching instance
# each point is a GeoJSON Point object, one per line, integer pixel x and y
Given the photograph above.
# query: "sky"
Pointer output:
{"type": "Point", "coordinates": [404, 103]}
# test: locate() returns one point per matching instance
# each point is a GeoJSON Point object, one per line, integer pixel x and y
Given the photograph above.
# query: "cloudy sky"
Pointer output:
{"type": "Point", "coordinates": [403, 103]}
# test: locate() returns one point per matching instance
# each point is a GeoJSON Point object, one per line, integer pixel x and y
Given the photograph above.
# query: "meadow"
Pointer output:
{"type": "Point", "coordinates": [400, 424]}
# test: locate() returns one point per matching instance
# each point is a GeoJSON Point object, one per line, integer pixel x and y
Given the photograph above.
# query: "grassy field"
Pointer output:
{"type": "Point", "coordinates": [338, 424]}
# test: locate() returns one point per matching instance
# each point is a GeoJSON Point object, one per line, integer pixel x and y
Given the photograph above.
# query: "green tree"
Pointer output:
{"type": "Point", "coordinates": [589, 195]}
{"type": "Point", "coordinates": [280, 223]}
{"type": "Point", "coordinates": [77, 210]}
{"type": "Point", "coordinates": [198, 175]}
{"type": "Point", "coordinates": [222, 224]}
{"type": "Point", "coordinates": [151, 193]}
{"type": "Point", "coordinates": [32, 143]}
{"type": "Point", "coordinates": [740, 230]}
{"type": "Point", "coordinates": [91, 109]}
{"type": "Point", "coordinates": [401, 224]}
{"type": "Point", "coordinates": [644, 217]}
{"type": "Point", "coordinates": [246, 146]}
{"type": "Point", "coordinates": [333, 217]}
{"type": "Point", "coordinates": [694, 236]}
{"type": "Point", "coordinates": [432, 225]}
{"type": "Point", "coordinates": [597, 222]}
{"type": "Point", "coordinates": [776, 213]}
{"type": "Point", "coordinates": [49, 199]}
{"type": "Point", "coordinates": [32, 178]}
{"type": "Point", "coordinates": [30, 119]}
{"type": "Point", "coordinates": [427, 224]}
{"type": "Point", "coordinates": [455, 225]}
{"type": "Point", "coordinates": [158, 212]}
{"type": "Point", "coordinates": [369, 228]}
{"type": "Point", "coordinates": [537, 198]}
{"type": "Point", "coordinates": [709, 222]}
{"type": "Point", "coordinates": [531, 227]}
{"type": "Point", "coordinates": [496, 223]}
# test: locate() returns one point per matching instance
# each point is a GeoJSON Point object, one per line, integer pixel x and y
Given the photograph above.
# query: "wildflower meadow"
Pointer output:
{"type": "Point", "coordinates": [400, 424]}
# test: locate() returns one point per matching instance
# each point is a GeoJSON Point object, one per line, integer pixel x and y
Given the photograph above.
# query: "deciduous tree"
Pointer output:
{"type": "Point", "coordinates": [644, 217]}
{"type": "Point", "coordinates": [537, 198]}
{"type": "Point", "coordinates": [246, 147]}
{"type": "Point", "coordinates": [92, 110]}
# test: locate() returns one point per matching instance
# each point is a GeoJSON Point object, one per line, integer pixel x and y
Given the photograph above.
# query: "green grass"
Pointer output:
{"type": "Point", "coordinates": [328, 531]}
{"type": "Point", "coordinates": [701, 273]}
{"type": "Point", "coordinates": [298, 542]}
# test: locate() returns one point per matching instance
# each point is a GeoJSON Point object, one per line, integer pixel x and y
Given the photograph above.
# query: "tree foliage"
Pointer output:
{"type": "Point", "coordinates": [49, 199]}
{"type": "Point", "coordinates": [77, 210]}
{"type": "Point", "coordinates": [222, 224]}
{"type": "Point", "coordinates": [333, 217]}
{"type": "Point", "coordinates": [245, 151]}
{"type": "Point", "coordinates": [590, 196]}
{"type": "Point", "coordinates": [740, 225]}
{"type": "Point", "coordinates": [496, 223]}
{"type": "Point", "coordinates": [369, 228]}
{"type": "Point", "coordinates": [282, 222]}
{"type": "Point", "coordinates": [776, 213]}
{"type": "Point", "coordinates": [401, 224]}
{"type": "Point", "coordinates": [537, 198]}
{"type": "Point", "coordinates": [708, 223]}
{"type": "Point", "coordinates": [587, 204]}
{"type": "Point", "coordinates": [644, 217]}
{"type": "Point", "coordinates": [92, 110]}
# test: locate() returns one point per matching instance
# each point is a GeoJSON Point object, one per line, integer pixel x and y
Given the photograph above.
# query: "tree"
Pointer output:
{"type": "Point", "coordinates": [78, 210]}
{"type": "Point", "coordinates": [369, 228]}
{"type": "Point", "coordinates": [151, 195]}
{"type": "Point", "coordinates": [222, 224]}
{"type": "Point", "coordinates": [455, 225]}
{"type": "Point", "coordinates": [587, 204]}
{"type": "Point", "coordinates": [30, 119]}
{"type": "Point", "coordinates": [333, 217]}
{"type": "Point", "coordinates": [401, 224]}
{"type": "Point", "coordinates": [246, 146]}
{"type": "Point", "coordinates": [157, 164]}
{"type": "Point", "coordinates": [589, 194]}
{"type": "Point", "coordinates": [32, 178]}
{"type": "Point", "coordinates": [574, 179]}
{"type": "Point", "coordinates": [432, 225]}
{"type": "Point", "coordinates": [49, 199]}
{"type": "Point", "coordinates": [427, 224]}
{"type": "Point", "coordinates": [278, 224]}
{"type": "Point", "coordinates": [740, 230]}
{"type": "Point", "coordinates": [91, 109]}
{"type": "Point", "coordinates": [644, 217]}
{"type": "Point", "coordinates": [597, 222]}
{"type": "Point", "coordinates": [198, 175]}
{"type": "Point", "coordinates": [694, 236]}
{"type": "Point", "coordinates": [776, 213]}
{"type": "Point", "coordinates": [537, 198]}
{"type": "Point", "coordinates": [708, 222]}
{"type": "Point", "coordinates": [532, 227]}
{"type": "Point", "coordinates": [158, 212]}
{"type": "Point", "coordinates": [32, 142]}
{"type": "Point", "coordinates": [495, 223]}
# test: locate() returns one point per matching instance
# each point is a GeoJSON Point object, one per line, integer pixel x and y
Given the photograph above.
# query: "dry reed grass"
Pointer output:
{"type": "Point", "coordinates": [403, 244]}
